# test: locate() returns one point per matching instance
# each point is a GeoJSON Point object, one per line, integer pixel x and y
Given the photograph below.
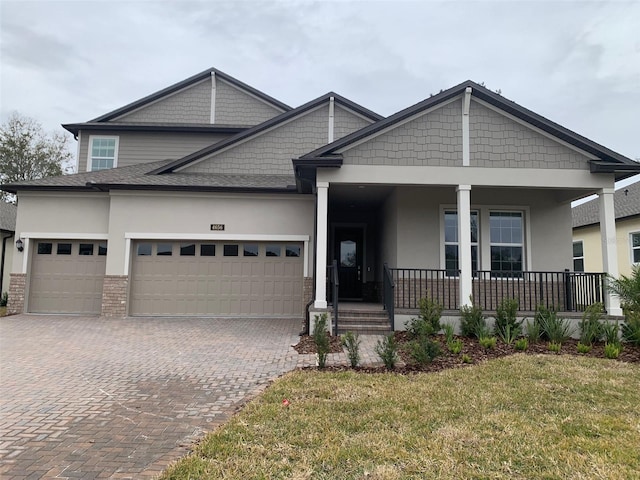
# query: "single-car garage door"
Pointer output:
{"type": "Point", "coordinates": [67, 276]}
{"type": "Point", "coordinates": [216, 278]}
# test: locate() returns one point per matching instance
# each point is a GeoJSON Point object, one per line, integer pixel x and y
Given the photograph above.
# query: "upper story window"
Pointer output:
{"type": "Point", "coordinates": [103, 153]}
{"type": "Point", "coordinates": [578, 256]}
{"type": "Point", "coordinates": [635, 247]}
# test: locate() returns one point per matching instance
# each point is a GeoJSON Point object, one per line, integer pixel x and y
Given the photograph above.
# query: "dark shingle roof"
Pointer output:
{"type": "Point", "coordinates": [8, 216]}
{"type": "Point", "coordinates": [626, 203]}
{"type": "Point", "coordinates": [137, 177]}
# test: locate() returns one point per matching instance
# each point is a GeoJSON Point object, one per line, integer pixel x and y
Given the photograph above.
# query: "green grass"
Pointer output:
{"type": "Point", "coordinates": [533, 417]}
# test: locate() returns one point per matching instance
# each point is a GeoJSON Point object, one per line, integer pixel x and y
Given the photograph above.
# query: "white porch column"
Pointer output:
{"type": "Point", "coordinates": [609, 248]}
{"type": "Point", "coordinates": [464, 243]}
{"type": "Point", "coordinates": [322, 189]}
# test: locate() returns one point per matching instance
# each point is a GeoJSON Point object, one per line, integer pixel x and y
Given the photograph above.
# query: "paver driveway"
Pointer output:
{"type": "Point", "coordinates": [87, 397]}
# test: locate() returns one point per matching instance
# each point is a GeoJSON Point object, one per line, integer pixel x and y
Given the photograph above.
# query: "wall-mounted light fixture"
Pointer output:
{"type": "Point", "coordinates": [20, 245]}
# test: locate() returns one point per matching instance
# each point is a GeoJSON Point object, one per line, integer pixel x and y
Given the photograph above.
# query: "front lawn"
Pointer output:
{"type": "Point", "coordinates": [522, 416]}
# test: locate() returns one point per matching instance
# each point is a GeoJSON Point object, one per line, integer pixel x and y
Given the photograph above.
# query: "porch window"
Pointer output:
{"type": "Point", "coordinates": [578, 256]}
{"type": "Point", "coordinates": [507, 247]}
{"type": "Point", "coordinates": [635, 247]}
{"type": "Point", "coordinates": [451, 258]}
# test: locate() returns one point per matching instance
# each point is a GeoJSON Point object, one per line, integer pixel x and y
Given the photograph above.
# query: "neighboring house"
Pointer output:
{"type": "Point", "coordinates": [7, 239]}
{"type": "Point", "coordinates": [587, 244]}
{"type": "Point", "coordinates": [212, 198]}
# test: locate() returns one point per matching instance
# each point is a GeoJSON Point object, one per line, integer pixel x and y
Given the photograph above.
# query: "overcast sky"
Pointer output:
{"type": "Point", "coordinates": [576, 63]}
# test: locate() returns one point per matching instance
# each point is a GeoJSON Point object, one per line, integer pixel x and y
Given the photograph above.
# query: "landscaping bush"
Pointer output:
{"type": "Point", "coordinates": [321, 339]}
{"type": "Point", "coordinates": [631, 328]}
{"type": "Point", "coordinates": [4, 299]}
{"type": "Point", "coordinates": [488, 343]}
{"type": "Point", "coordinates": [552, 327]}
{"type": "Point", "coordinates": [554, 347]}
{"type": "Point", "coordinates": [506, 321]}
{"type": "Point", "coordinates": [521, 344]}
{"type": "Point", "coordinates": [628, 290]}
{"type": "Point", "coordinates": [612, 351]}
{"type": "Point", "coordinates": [352, 343]}
{"type": "Point", "coordinates": [473, 323]}
{"type": "Point", "coordinates": [423, 350]}
{"type": "Point", "coordinates": [582, 348]}
{"type": "Point", "coordinates": [591, 324]}
{"type": "Point", "coordinates": [428, 322]}
{"type": "Point", "coordinates": [611, 333]}
{"type": "Point", "coordinates": [387, 350]}
{"type": "Point", "coordinates": [448, 332]}
{"type": "Point", "coordinates": [455, 346]}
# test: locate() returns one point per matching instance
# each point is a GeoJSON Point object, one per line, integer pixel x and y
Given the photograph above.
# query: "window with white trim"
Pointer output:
{"type": "Point", "coordinates": [635, 247]}
{"type": "Point", "coordinates": [103, 153]}
{"type": "Point", "coordinates": [451, 253]}
{"type": "Point", "coordinates": [507, 242]}
{"type": "Point", "coordinates": [578, 256]}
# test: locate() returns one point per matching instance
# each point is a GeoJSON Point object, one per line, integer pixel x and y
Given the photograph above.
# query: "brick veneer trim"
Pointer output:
{"type": "Point", "coordinates": [114, 295]}
{"type": "Point", "coordinates": [17, 288]}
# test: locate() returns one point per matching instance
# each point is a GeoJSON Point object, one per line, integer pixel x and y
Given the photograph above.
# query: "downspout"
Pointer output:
{"type": "Point", "coordinates": [4, 251]}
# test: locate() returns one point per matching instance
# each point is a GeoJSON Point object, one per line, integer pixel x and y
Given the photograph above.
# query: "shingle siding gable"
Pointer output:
{"type": "Point", "coordinates": [498, 141]}
{"type": "Point", "coordinates": [234, 107]}
{"type": "Point", "coordinates": [191, 105]}
{"type": "Point", "coordinates": [434, 138]}
{"type": "Point", "coordinates": [346, 122]}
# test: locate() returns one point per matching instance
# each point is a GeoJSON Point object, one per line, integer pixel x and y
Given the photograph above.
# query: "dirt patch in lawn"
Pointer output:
{"type": "Point", "coordinates": [472, 351]}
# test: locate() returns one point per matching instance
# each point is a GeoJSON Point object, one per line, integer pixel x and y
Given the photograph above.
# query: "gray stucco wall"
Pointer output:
{"type": "Point", "coordinates": [191, 105]}
{"type": "Point", "coordinates": [234, 107]}
{"type": "Point", "coordinates": [498, 141]}
{"type": "Point", "coordinates": [431, 139]}
{"type": "Point", "coordinates": [140, 147]}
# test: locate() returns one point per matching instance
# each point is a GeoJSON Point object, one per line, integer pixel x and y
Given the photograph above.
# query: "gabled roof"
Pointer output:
{"type": "Point", "coordinates": [626, 203]}
{"type": "Point", "coordinates": [136, 177]}
{"type": "Point", "coordinates": [606, 155]}
{"type": "Point", "coordinates": [185, 83]}
{"type": "Point", "coordinates": [8, 213]}
{"type": "Point", "coordinates": [260, 128]}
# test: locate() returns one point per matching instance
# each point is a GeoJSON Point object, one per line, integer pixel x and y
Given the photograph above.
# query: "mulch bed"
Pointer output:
{"type": "Point", "coordinates": [472, 348]}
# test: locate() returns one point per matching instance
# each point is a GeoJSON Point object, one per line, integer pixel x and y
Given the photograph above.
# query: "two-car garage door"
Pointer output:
{"type": "Point", "coordinates": [216, 278]}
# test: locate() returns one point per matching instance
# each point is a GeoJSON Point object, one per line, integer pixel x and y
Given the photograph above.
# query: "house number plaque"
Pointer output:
{"type": "Point", "coordinates": [217, 226]}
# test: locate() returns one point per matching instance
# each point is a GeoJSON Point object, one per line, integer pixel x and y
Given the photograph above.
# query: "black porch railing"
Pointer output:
{"type": "Point", "coordinates": [564, 291]}
{"type": "Point", "coordinates": [388, 299]}
{"type": "Point", "coordinates": [412, 284]}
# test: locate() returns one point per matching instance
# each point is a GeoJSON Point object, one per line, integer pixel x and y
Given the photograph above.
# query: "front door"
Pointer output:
{"type": "Point", "coordinates": [349, 254]}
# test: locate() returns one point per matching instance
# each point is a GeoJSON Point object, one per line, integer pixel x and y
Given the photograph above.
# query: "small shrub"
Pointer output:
{"type": "Point", "coordinates": [631, 328]}
{"type": "Point", "coordinates": [387, 350]}
{"type": "Point", "coordinates": [418, 328]}
{"type": "Point", "coordinates": [352, 343]}
{"type": "Point", "coordinates": [508, 335]}
{"type": "Point", "coordinates": [4, 299]}
{"type": "Point", "coordinates": [466, 358]}
{"type": "Point", "coordinates": [552, 327]}
{"type": "Point", "coordinates": [554, 347]}
{"type": "Point", "coordinates": [610, 332]}
{"type": "Point", "coordinates": [583, 348]}
{"type": "Point", "coordinates": [522, 344]}
{"type": "Point", "coordinates": [448, 332]}
{"type": "Point", "coordinates": [455, 346]}
{"type": "Point", "coordinates": [488, 343]}
{"type": "Point", "coordinates": [423, 350]}
{"type": "Point", "coordinates": [591, 325]}
{"type": "Point", "coordinates": [612, 350]}
{"type": "Point", "coordinates": [321, 339]}
{"type": "Point", "coordinates": [472, 322]}
{"type": "Point", "coordinates": [506, 319]}
{"type": "Point", "coordinates": [533, 331]}
{"type": "Point", "coordinates": [430, 312]}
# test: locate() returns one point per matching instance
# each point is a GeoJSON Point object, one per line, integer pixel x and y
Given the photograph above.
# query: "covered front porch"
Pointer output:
{"type": "Point", "coordinates": [391, 245]}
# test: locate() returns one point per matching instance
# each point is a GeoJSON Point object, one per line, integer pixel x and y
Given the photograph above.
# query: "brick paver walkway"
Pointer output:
{"type": "Point", "coordinates": [87, 397]}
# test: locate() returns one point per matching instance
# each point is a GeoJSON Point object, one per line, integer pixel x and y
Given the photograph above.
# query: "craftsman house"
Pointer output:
{"type": "Point", "coordinates": [212, 198]}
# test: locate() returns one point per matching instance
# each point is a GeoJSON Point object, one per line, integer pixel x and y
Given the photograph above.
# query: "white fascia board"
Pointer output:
{"type": "Point", "coordinates": [160, 99]}
{"type": "Point", "coordinates": [249, 138]}
{"type": "Point", "coordinates": [251, 95]}
{"type": "Point", "coordinates": [353, 112]}
{"type": "Point", "coordinates": [590, 156]}
{"type": "Point", "coordinates": [258, 237]}
{"type": "Point", "coordinates": [475, 176]}
{"type": "Point", "coordinates": [399, 124]}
